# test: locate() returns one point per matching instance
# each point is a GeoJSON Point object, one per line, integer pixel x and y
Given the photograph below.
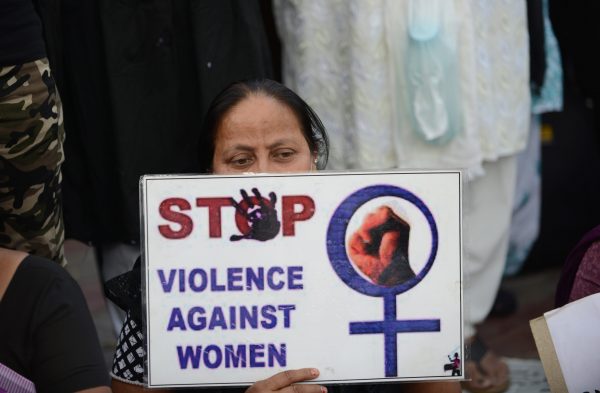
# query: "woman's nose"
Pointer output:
{"type": "Point", "coordinates": [262, 165]}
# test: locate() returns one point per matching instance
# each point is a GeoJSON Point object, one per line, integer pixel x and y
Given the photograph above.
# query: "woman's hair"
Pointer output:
{"type": "Point", "coordinates": [310, 124]}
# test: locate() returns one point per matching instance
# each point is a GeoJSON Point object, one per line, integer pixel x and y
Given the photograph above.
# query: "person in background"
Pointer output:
{"type": "Point", "coordinates": [31, 137]}
{"type": "Point", "coordinates": [580, 276]}
{"type": "Point", "coordinates": [46, 331]}
{"type": "Point", "coordinates": [134, 78]}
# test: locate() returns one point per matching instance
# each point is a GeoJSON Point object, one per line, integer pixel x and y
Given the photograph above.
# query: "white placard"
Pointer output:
{"type": "Point", "coordinates": [356, 274]}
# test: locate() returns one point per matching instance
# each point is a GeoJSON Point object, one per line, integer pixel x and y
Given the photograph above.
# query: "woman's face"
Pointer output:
{"type": "Point", "coordinates": [260, 135]}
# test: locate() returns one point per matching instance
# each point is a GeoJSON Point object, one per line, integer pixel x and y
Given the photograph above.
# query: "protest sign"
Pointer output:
{"type": "Point", "coordinates": [356, 274]}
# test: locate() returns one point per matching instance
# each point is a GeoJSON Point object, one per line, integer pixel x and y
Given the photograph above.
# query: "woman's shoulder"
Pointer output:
{"type": "Point", "coordinates": [591, 257]}
{"type": "Point", "coordinates": [10, 260]}
{"type": "Point", "coordinates": [40, 272]}
{"type": "Point", "coordinates": [587, 278]}
{"type": "Point", "coordinates": [39, 267]}
{"type": "Point", "coordinates": [33, 277]}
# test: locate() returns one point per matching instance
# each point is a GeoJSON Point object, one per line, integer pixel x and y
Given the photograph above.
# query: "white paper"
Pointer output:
{"type": "Point", "coordinates": [575, 331]}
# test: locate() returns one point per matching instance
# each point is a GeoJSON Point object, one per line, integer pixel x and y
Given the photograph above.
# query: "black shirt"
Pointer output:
{"type": "Point", "coordinates": [21, 37]}
{"type": "Point", "coordinates": [46, 331]}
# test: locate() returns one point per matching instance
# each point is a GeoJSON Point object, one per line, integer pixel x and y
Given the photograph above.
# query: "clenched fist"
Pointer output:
{"type": "Point", "coordinates": [379, 248]}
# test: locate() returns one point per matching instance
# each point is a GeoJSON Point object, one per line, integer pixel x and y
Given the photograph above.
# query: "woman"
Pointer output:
{"type": "Point", "coordinates": [580, 276]}
{"type": "Point", "coordinates": [46, 331]}
{"type": "Point", "coordinates": [257, 126]}
{"type": "Point", "coordinates": [31, 137]}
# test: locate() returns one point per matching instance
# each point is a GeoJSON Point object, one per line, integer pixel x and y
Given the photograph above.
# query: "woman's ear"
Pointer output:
{"type": "Point", "coordinates": [315, 159]}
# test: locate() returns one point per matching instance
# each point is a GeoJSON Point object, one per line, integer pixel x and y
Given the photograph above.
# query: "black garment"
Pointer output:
{"type": "Point", "coordinates": [46, 331]}
{"type": "Point", "coordinates": [126, 291]}
{"type": "Point", "coordinates": [21, 38]}
{"type": "Point", "coordinates": [136, 78]}
{"type": "Point", "coordinates": [91, 205]}
{"type": "Point", "coordinates": [578, 33]}
{"type": "Point", "coordinates": [537, 45]}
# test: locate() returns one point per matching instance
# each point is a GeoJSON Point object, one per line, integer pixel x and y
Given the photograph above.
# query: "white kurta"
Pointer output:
{"type": "Point", "coordinates": [348, 60]}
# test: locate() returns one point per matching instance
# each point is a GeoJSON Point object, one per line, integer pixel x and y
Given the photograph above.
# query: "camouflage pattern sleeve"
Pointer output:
{"type": "Point", "coordinates": [31, 154]}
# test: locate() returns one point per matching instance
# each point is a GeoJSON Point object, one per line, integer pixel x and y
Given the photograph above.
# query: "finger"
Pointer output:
{"type": "Point", "coordinates": [289, 377]}
{"type": "Point", "coordinates": [396, 222]}
{"type": "Point", "coordinates": [356, 244]}
{"type": "Point", "coordinates": [239, 208]}
{"type": "Point", "coordinates": [273, 198]}
{"type": "Point", "coordinates": [365, 235]}
{"type": "Point", "coordinates": [257, 193]}
{"type": "Point", "coordinates": [304, 389]}
{"type": "Point", "coordinates": [369, 265]}
{"type": "Point", "coordinates": [389, 245]}
{"type": "Point", "coordinates": [261, 200]}
{"type": "Point", "coordinates": [375, 219]}
{"type": "Point", "coordinates": [247, 198]}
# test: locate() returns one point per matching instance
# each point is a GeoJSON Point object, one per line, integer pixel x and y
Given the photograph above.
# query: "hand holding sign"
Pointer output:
{"type": "Point", "coordinates": [261, 216]}
{"type": "Point", "coordinates": [284, 382]}
{"type": "Point", "coordinates": [379, 248]}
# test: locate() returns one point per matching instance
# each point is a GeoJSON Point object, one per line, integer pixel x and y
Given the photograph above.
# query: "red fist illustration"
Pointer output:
{"type": "Point", "coordinates": [379, 248]}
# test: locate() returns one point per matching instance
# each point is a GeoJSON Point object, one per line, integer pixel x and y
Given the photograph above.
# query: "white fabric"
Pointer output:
{"type": "Point", "coordinates": [348, 60]}
{"type": "Point", "coordinates": [503, 101]}
{"type": "Point", "coordinates": [487, 207]}
{"type": "Point", "coordinates": [463, 151]}
{"type": "Point", "coordinates": [335, 57]}
{"type": "Point", "coordinates": [525, 222]}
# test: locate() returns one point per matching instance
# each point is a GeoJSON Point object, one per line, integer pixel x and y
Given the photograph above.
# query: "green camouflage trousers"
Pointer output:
{"type": "Point", "coordinates": [31, 153]}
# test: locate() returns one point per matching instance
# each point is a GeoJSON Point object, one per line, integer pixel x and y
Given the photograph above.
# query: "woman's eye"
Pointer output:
{"type": "Point", "coordinates": [241, 162]}
{"type": "Point", "coordinates": [284, 155]}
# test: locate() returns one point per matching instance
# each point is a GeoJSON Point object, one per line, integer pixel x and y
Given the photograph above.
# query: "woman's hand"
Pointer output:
{"type": "Point", "coordinates": [284, 382]}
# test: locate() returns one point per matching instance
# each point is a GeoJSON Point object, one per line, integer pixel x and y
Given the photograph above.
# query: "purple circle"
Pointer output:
{"type": "Point", "coordinates": [336, 240]}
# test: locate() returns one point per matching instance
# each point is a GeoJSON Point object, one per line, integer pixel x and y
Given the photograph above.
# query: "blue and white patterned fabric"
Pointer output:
{"type": "Point", "coordinates": [550, 98]}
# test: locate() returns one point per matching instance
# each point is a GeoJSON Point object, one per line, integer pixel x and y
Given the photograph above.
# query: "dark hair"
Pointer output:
{"type": "Point", "coordinates": [313, 130]}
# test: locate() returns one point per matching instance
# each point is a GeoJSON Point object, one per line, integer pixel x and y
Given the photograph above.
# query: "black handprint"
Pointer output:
{"type": "Point", "coordinates": [262, 217]}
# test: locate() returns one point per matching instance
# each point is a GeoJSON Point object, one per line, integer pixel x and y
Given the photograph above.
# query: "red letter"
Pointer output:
{"type": "Point", "coordinates": [182, 219]}
{"type": "Point", "coordinates": [214, 213]}
{"type": "Point", "coordinates": [289, 216]}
